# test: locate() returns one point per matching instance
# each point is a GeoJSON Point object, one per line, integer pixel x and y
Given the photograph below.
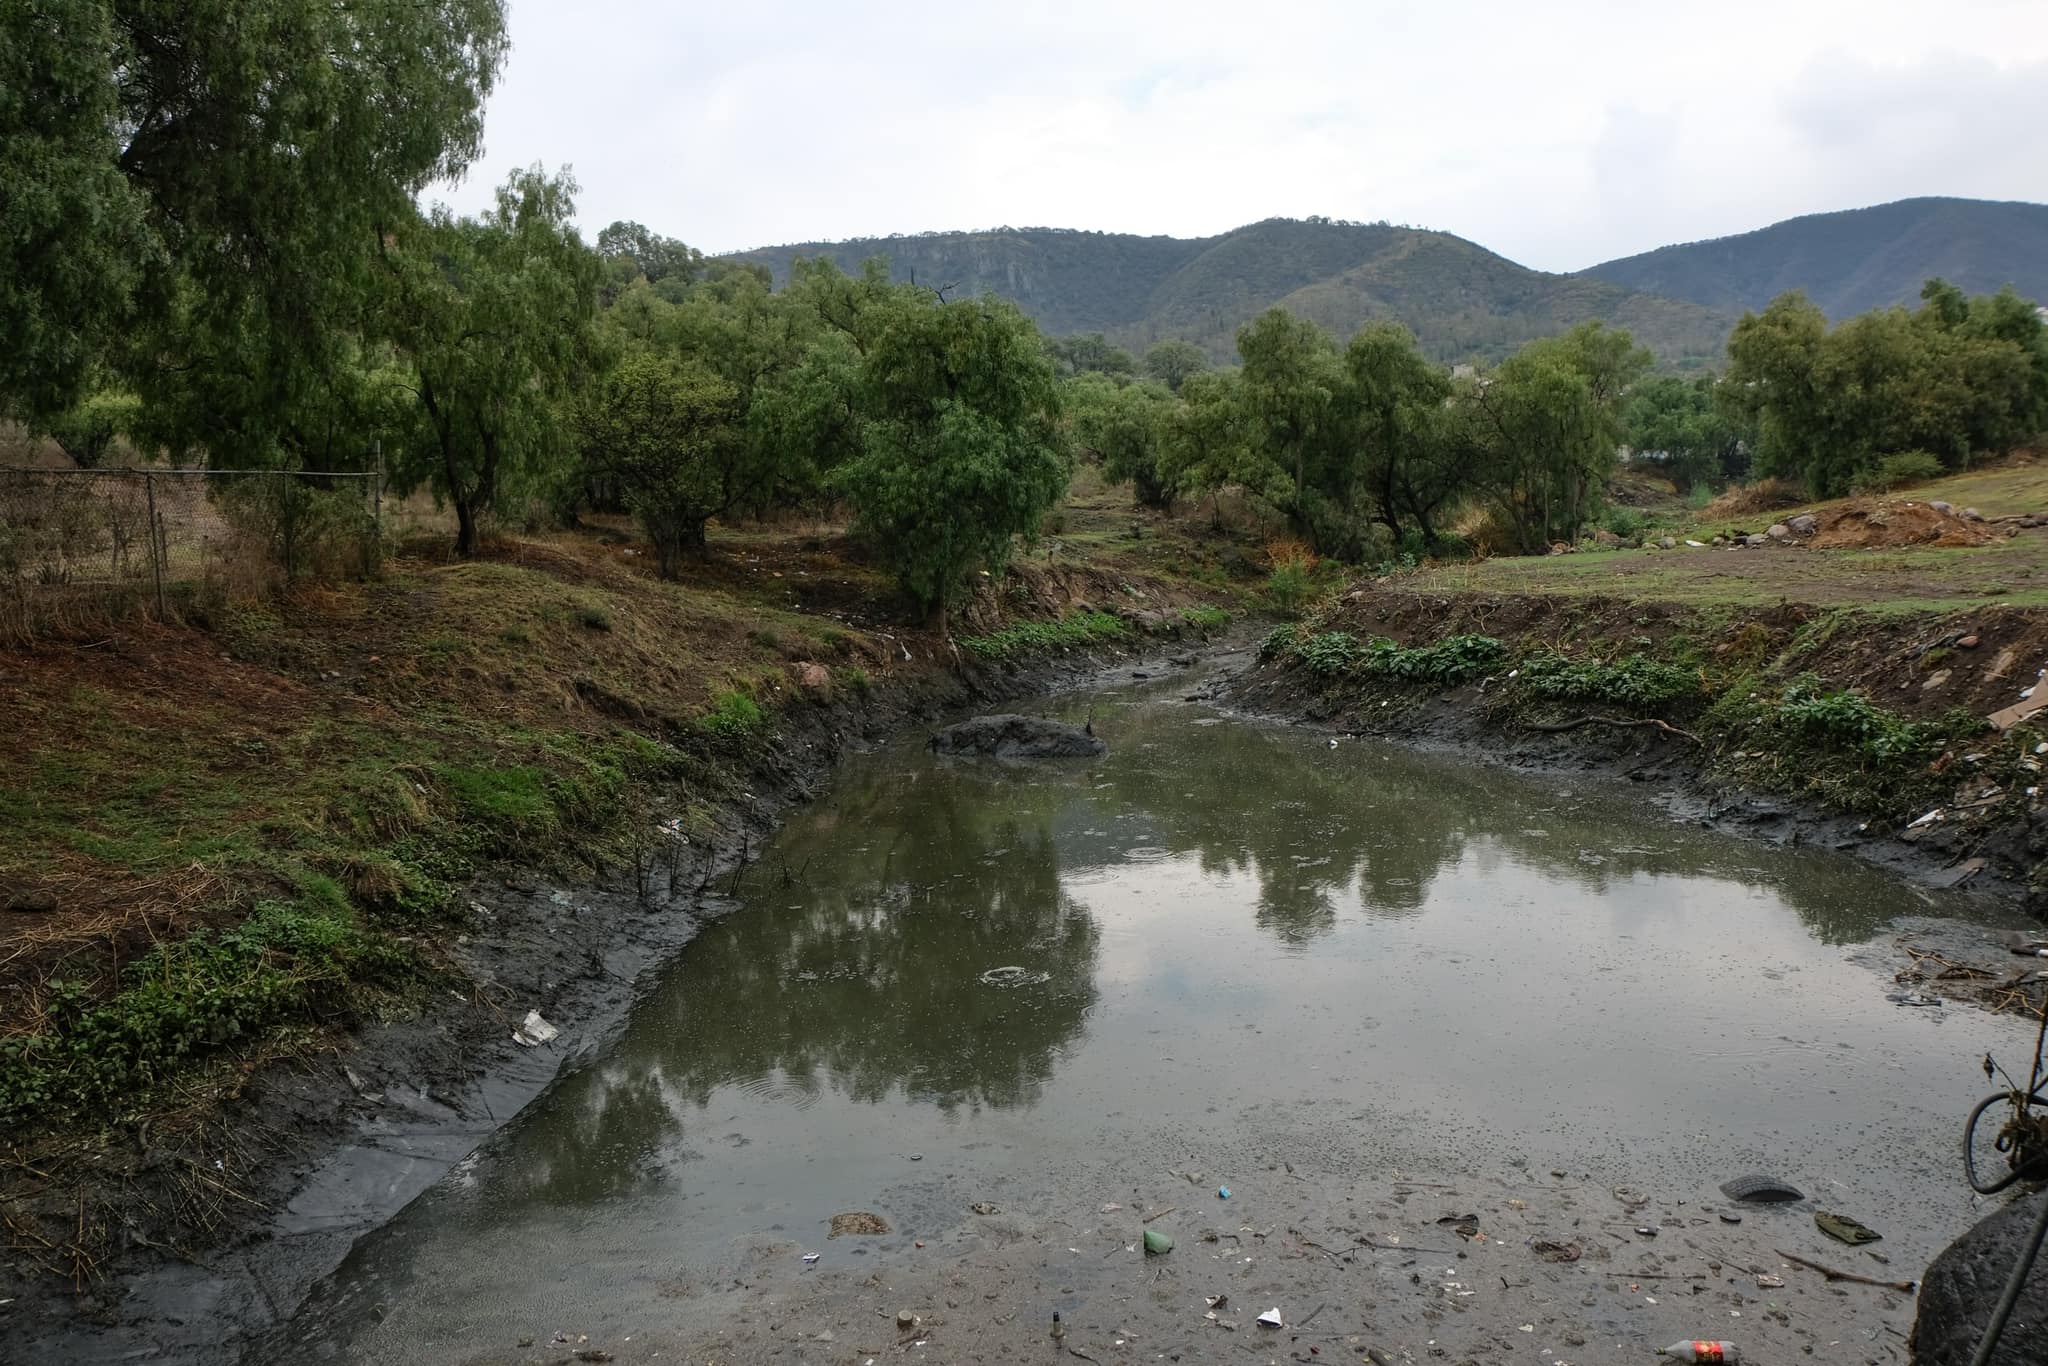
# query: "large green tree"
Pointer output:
{"type": "Point", "coordinates": [193, 192]}
{"type": "Point", "coordinates": [1955, 378]}
{"type": "Point", "coordinates": [1694, 437]}
{"type": "Point", "coordinates": [1407, 462]}
{"type": "Point", "coordinates": [669, 434]}
{"type": "Point", "coordinates": [1296, 399]}
{"type": "Point", "coordinates": [1172, 361]}
{"type": "Point", "coordinates": [1123, 425]}
{"type": "Point", "coordinates": [1544, 431]}
{"type": "Point", "coordinates": [494, 317]}
{"type": "Point", "coordinates": [960, 448]}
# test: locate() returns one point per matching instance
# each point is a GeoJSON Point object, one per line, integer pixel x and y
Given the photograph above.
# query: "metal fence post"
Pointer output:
{"type": "Point", "coordinates": [377, 510]}
{"type": "Point", "coordinates": [156, 548]}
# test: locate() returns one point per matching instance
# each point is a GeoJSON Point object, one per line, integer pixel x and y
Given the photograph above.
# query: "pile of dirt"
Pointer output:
{"type": "Point", "coordinates": [1868, 524]}
{"type": "Point", "coordinates": [1765, 495]}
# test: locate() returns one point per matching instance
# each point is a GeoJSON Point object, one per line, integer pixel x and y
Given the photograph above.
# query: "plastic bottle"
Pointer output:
{"type": "Point", "coordinates": [1717, 1353]}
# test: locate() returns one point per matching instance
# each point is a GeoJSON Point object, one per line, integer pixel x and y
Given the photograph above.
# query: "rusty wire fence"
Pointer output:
{"type": "Point", "coordinates": [84, 548]}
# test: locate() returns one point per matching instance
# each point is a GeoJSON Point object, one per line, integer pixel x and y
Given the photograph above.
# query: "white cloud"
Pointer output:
{"type": "Point", "coordinates": [1559, 135]}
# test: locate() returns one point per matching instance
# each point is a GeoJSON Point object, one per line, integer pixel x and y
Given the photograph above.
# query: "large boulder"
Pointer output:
{"type": "Point", "coordinates": [1964, 1283]}
{"type": "Point", "coordinates": [1008, 736]}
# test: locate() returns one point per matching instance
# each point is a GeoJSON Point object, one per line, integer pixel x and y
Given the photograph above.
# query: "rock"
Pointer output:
{"type": "Point", "coordinates": [1934, 680]}
{"type": "Point", "coordinates": [1007, 736]}
{"type": "Point", "coordinates": [1964, 1283]}
{"type": "Point", "coordinates": [1778, 531]}
{"type": "Point", "coordinates": [29, 901]}
{"type": "Point", "coordinates": [1720, 540]}
{"type": "Point", "coordinates": [1967, 643]}
{"type": "Point", "coordinates": [1945, 509]}
{"type": "Point", "coordinates": [1756, 540]}
{"type": "Point", "coordinates": [1805, 524]}
{"type": "Point", "coordinates": [1668, 543]}
{"type": "Point", "coordinates": [815, 679]}
{"type": "Point", "coordinates": [1971, 515]}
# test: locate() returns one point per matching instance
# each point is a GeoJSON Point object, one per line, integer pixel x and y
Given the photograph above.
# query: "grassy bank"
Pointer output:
{"type": "Point", "coordinates": [1878, 715]}
{"type": "Point", "coordinates": [223, 840]}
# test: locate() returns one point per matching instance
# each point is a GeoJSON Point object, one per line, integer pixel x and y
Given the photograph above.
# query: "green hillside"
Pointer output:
{"type": "Point", "coordinates": [1462, 301]}
{"type": "Point", "coordinates": [1855, 260]}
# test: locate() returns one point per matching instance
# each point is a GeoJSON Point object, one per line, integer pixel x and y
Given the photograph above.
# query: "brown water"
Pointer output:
{"type": "Point", "coordinates": [1224, 945]}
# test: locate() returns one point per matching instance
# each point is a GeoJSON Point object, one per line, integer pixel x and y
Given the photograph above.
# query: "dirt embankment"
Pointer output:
{"type": "Point", "coordinates": [1862, 731]}
{"type": "Point", "coordinates": [192, 1220]}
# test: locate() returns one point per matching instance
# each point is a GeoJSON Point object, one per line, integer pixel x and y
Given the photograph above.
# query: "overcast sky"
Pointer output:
{"type": "Point", "coordinates": [1559, 134]}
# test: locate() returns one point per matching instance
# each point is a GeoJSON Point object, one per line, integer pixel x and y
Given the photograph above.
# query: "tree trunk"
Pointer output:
{"type": "Point", "coordinates": [465, 526]}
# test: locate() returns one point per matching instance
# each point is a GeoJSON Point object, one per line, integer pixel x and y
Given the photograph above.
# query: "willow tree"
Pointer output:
{"type": "Point", "coordinates": [495, 319]}
{"type": "Point", "coordinates": [960, 447]}
{"type": "Point", "coordinates": [193, 191]}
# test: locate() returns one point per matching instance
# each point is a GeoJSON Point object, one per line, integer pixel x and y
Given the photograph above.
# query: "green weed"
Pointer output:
{"type": "Point", "coordinates": [1030, 636]}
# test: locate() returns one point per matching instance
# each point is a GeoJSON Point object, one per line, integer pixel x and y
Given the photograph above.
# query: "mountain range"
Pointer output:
{"type": "Point", "coordinates": [1461, 300]}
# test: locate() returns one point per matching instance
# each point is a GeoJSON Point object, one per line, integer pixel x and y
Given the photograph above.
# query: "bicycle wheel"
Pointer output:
{"type": "Point", "coordinates": [1981, 1152]}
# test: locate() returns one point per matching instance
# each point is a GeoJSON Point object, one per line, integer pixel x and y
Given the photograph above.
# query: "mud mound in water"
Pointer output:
{"type": "Point", "coordinates": [1866, 524]}
{"type": "Point", "coordinates": [857, 1223]}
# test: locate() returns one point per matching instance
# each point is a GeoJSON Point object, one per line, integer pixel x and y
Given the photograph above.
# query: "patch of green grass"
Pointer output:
{"type": "Point", "coordinates": [854, 679]}
{"type": "Point", "coordinates": [1205, 617]}
{"type": "Point", "coordinates": [515, 797]}
{"type": "Point", "coordinates": [1328, 652]}
{"type": "Point", "coordinates": [1636, 682]}
{"type": "Point", "coordinates": [735, 716]}
{"type": "Point", "coordinates": [1030, 636]}
{"type": "Point", "coordinates": [593, 618]}
{"type": "Point", "coordinates": [287, 962]}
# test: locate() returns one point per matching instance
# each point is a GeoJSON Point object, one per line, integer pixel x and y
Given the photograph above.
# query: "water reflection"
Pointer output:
{"type": "Point", "coordinates": [922, 933]}
{"type": "Point", "coordinates": [910, 937]}
{"type": "Point", "coordinates": [1318, 825]}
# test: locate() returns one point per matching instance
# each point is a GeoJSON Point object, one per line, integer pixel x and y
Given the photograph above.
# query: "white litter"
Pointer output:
{"type": "Point", "coordinates": [1270, 1319]}
{"type": "Point", "coordinates": [534, 1031]}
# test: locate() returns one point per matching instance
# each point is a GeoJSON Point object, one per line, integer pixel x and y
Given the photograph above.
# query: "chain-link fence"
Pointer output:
{"type": "Point", "coordinates": [82, 547]}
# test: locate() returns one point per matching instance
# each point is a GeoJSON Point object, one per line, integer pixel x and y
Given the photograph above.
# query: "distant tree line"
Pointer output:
{"type": "Point", "coordinates": [210, 247]}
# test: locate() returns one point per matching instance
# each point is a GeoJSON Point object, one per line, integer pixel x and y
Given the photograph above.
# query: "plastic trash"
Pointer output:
{"type": "Point", "coordinates": [1843, 1229]}
{"type": "Point", "coordinates": [534, 1031]}
{"type": "Point", "coordinates": [1718, 1353]}
{"type": "Point", "coordinates": [1270, 1319]}
{"type": "Point", "coordinates": [1157, 1244]}
{"type": "Point", "coordinates": [811, 1259]}
{"type": "Point", "coordinates": [1223, 1192]}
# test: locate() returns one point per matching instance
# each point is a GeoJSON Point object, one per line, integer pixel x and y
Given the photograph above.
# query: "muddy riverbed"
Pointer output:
{"type": "Point", "coordinates": [1018, 1010]}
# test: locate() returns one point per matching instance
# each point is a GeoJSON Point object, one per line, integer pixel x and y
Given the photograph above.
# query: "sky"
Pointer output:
{"type": "Point", "coordinates": [1559, 134]}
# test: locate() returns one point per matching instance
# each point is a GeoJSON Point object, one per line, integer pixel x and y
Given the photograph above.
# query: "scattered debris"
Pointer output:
{"type": "Point", "coordinates": [1717, 1353]}
{"type": "Point", "coordinates": [1271, 1318]}
{"type": "Point", "coordinates": [1843, 1229]}
{"type": "Point", "coordinates": [905, 1321]}
{"type": "Point", "coordinates": [1903, 1287]}
{"type": "Point", "coordinates": [1556, 1252]}
{"type": "Point", "coordinates": [534, 1031]}
{"type": "Point", "coordinates": [811, 1258]}
{"type": "Point", "coordinates": [1223, 1192]}
{"type": "Point", "coordinates": [983, 1207]}
{"type": "Point", "coordinates": [1157, 1244]}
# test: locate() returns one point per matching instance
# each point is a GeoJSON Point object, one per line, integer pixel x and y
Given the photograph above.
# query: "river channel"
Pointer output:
{"type": "Point", "coordinates": [1230, 954]}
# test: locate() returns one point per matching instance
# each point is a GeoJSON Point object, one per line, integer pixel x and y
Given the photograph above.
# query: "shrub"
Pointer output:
{"type": "Point", "coordinates": [1078, 629]}
{"type": "Point", "coordinates": [1205, 617]}
{"type": "Point", "coordinates": [594, 618]}
{"type": "Point", "coordinates": [1902, 469]}
{"type": "Point", "coordinates": [1637, 682]}
{"type": "Point", "coordinates": [1455, 660]}
{"type": "Point", "coordinates": [1814, 712]}
{"type": "Point", "coordinates": [734, 716]}
{"type": "Point", "coordinates": [1279, 643]}
{"type": "Point", "coordinates": [1624, 522]}
{"type": "Point", "coordinates": [185, 999]}
{"type": "Point", "coordinates": [1330, 652]}
{"type": "Point", "coordinates": [1288, 586]}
